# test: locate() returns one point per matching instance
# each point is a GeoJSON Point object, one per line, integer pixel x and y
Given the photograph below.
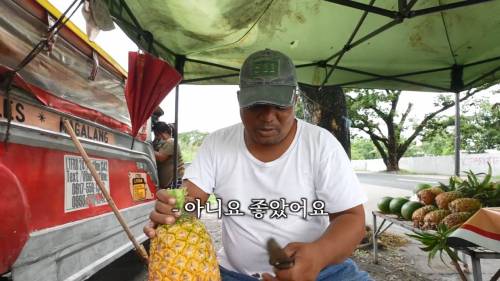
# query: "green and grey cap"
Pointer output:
{"type": "Point", "coordinates": [267, 77]}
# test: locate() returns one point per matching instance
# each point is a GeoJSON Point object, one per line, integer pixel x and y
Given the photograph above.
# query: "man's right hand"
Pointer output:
{"type": "Point", "coordinates": [162, 214]}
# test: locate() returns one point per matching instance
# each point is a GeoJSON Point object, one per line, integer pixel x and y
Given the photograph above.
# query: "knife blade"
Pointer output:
{"type": "Point", "coordinates": [277, 256]}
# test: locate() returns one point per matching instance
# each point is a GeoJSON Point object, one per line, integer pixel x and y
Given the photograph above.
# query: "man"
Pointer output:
{"type": "Point", "coordinates": [274, 156]}
{"type": "Point", "coordinates": [164, 151]}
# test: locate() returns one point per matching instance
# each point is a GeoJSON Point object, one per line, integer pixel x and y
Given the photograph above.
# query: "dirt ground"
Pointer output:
{"type": "Point", "coordinates": [391, 266]}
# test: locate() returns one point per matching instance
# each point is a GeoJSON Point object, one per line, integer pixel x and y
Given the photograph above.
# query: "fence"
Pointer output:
{"type": "Point", "coordinates": [443, 165]}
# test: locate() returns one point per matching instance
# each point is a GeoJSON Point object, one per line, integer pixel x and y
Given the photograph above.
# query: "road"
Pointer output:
{"type": "Point", "coordinates": [130, 268]}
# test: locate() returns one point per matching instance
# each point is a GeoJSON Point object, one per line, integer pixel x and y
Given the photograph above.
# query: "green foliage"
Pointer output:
{"type": "Point", "coordinates": [190, 143]}
{"type": "Point", "coordinates": [299, 109]}
{"type": "Point", "coordinates": [479, 125]}
{"type": "Point", "coordinates": [362, 148]}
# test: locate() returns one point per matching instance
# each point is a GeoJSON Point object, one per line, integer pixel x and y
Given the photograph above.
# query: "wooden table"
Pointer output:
{"type": "Point", "coordinates": [475, 252]}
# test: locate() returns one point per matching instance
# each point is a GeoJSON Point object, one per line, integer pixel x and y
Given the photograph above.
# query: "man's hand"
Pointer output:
{"type": "Point", "coordinates": [306, 266]}
{"type": "Point", "coordinates": [162, 214]}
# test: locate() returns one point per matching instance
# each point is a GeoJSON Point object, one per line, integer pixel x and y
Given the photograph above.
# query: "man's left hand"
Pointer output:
{"type": "Point", "coordinates": [306, 266]}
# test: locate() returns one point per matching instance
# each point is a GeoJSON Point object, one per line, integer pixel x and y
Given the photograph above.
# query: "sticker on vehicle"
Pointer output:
{"type": "Point", "coordinates": [81, 190]}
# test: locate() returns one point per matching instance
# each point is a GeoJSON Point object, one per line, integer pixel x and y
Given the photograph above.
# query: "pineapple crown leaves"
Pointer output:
{"type": "Point", "coordinates": [473, 181]}
{"type": "Point", "coordinates": [436, 242]}
{"type": "Point", "coordinates": [472, 187]}
{"type": "Point", "coordinates": [454, 183]}
{"type": "Point", "coordinates": [180, 196]}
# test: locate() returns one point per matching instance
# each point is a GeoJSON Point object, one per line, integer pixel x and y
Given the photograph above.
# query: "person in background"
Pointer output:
{"type": "Point", "coordinates": [164, 154]}
{"type": "Point", "coordinates": [155, 119]}
{"type": "Point", "coordinates": [272, 155]}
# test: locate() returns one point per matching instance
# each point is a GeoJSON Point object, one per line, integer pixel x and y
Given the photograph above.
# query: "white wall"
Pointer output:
{"type": "Point", "coordinates": [443, 165]}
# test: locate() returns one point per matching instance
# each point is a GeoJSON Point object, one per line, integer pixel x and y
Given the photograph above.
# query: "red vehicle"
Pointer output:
{"type": "Point", "coordinates": [56, 224]}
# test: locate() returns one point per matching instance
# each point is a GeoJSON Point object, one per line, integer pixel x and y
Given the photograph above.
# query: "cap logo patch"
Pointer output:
{"type": "Point", "coordinates": [264, 68]}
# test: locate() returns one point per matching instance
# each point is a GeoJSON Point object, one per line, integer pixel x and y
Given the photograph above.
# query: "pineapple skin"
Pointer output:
{"type": "Point", "coordinates": [443, 199]}
{"type": "Point", "coordinates": [456, 219]}
{"type": "Point", "coordinates": [432, 219]}
{"type": "Point", "coordinates": [419, 214]}
{"type": "Point", "coordinates": [464, 205]}
{"type": "Point", "coordinates": [427, 196]}
{"type": "Point", "coordinates": [183, 251]}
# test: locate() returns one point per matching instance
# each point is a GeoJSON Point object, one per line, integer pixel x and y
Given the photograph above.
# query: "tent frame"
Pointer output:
{"type": "Point", "coordinates": [146, 39]}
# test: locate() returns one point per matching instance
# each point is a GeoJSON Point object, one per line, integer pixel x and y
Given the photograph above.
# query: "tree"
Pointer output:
{"type": "Point", "coordinates": [363, 148]}
{"type": "Point", "coordinates": [326, 107]}
{"type": "Point", "coordinates": [190, 142]}
{"type": "Point", "coordinates": [478, 126]}
{"type": "Point", "coordinates": [371, 109]}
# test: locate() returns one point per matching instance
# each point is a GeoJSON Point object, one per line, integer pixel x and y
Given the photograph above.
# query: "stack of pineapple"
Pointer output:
{"type": "Point", "coordinates": [454, 203]}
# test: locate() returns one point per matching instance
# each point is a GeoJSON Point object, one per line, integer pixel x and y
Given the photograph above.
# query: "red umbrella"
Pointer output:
{"type": "Point", "coordinates": [150, 79]}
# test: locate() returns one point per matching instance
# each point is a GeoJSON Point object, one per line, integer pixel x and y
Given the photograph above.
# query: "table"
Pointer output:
{"type": "Point", "coordinates": [475, 252]}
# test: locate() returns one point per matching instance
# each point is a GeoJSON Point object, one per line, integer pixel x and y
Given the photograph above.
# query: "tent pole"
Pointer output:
{"type": "Point", "coordinates": [457, 133]}
{"type": "Point", "coordinates": [175, 136]}
{"type": "Point", "coordinates": [179, 66]}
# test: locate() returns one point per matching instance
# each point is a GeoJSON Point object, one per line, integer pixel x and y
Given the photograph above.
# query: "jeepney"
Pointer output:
{"type": "Point", "coordinates": [55, 223]}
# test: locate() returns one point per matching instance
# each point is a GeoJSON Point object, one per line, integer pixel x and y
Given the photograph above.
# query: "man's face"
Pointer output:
{"type": "Point", "coordinates": [267, 124]}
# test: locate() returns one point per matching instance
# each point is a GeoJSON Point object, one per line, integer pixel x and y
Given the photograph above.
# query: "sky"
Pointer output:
{"type": "Point", "coordinates": [208, 108]}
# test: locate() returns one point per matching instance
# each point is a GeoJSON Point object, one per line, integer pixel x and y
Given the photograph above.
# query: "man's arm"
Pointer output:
{"type": "Point", "coordinates": [160, 156]}
{"type": "Point", "coordinates": [165, 152]}
{"type": "Point", "coordinates": [340, 239]}
{"type": "Point", "coordinates": [337, 243]}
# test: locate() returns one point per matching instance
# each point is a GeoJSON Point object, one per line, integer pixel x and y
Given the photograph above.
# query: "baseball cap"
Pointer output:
{"type": "Point", "coordinates": [267, 77]}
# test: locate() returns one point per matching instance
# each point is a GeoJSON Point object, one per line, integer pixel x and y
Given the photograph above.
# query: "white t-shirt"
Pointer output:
{"type": "Point", "coordinates": [314, 167]}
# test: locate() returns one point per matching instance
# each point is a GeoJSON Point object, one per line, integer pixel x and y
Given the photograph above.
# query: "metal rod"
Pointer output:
{"type": "Point", "coordinates": [361, 40]}
{"type": "Point", "coordinates": [209, 78]}
{"type": "Point", "coordinates": [374, 239]}
{"type": "Point", "coordinates": [471, 83]}
{"type": "Point", "coordinates": [481, 61]}
{"type": "Point", "coordinates": [387, 227]}
{"type": "Point", "coordinates": [393, 78]}
{"type": "Point", "coordinates": [365, 7]}
{"type": "Point", "coordinates": [136, 26]}
{"type": "Point", "coordinates": [397, 76]}
{"type": "Point", "coordinates": [347, 46]}
{"type": "Point", "coordinates": [445, 7]}
{"type": "Point", "coordinates": [476, 269]}
{"type": "Point", "coordinates": [213, 64]}
{"type": "Point", "coordinates": [140, 249]}
{"type": "Point", "coordinates": [175, 136]}
{"type": "Point", "coordinates": [307, 64]}
{"type": "Point", "coordinates": [379, 227]}
{"type": "Point", "coordinates": [457, 133]}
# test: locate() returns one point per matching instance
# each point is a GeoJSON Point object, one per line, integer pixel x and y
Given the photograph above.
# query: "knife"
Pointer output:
{"type": "Point", "coordinates": [277, 256]}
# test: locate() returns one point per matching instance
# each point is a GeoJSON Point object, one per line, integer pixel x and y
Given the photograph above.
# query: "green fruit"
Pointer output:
{"type": "Point", "coordinates": [396, 204]}
{"type": "Point", "coordinates": [383, 205]}
{"type": "Point", "coordinates": [409, 207]}
{"type": "Point", "coordinates": [421, 186]}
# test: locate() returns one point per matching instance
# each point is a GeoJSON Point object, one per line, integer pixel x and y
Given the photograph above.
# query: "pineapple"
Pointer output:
{"type": "Point", "coordinates": [465, 205]}
{"type": "Point", "coordinates": [419, 214]}
{"type": "Point", "coordinates": [432, 219]}
{"type": "Point", "coordinates": [443, 199]}
{"type": "Point", "coordinates": [456, 219]}
{"type": "Point", "coordinates": [182, 251]}
{"type": "Point", "coordinates": [427, 196]}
